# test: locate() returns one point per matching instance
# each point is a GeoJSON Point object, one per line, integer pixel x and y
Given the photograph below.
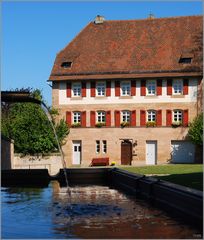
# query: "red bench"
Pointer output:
{"type": "Point", "coordinates": [100, 162]}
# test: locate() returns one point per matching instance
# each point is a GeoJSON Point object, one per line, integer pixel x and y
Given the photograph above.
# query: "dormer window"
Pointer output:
{"type": "Point", "coordinates": [66, 64]}
{"type": "Point", "coordinates": [185, 60]}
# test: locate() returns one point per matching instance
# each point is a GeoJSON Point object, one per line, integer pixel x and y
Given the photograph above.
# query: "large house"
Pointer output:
{"type": "Point", "coordinates": [128, 90]}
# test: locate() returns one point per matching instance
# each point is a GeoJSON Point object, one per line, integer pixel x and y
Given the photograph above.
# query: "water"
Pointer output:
{"type": "Point", "coordinates": [46, 110]}
{"type": "Point", "coordinates": [97, 212]}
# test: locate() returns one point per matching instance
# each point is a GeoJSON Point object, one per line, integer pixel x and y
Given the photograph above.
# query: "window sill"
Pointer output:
{"type": "Point", "coordinates": [178, 96]}
{"type": "Point", "coordinates": [125, 97]}
{"type": "Point", "coordinates": [76, 98]}
{"type": "Point", "coordinates": [100, 97]}
{"type": "Point", "coordinates": [151, 96]}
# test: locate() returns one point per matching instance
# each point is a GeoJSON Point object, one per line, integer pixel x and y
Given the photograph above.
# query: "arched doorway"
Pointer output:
{"type": "Point", "coordinates": [126, 152]}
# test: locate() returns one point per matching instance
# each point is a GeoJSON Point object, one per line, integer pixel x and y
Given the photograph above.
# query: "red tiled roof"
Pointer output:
{"type": "Point", "coordinates": [133, 47]}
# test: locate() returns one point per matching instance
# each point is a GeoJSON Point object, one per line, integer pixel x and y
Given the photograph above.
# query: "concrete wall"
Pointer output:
{"type": "Point", "coordinates": [7, 153]}
{"type": "Point", "coordinates": [52, 162]}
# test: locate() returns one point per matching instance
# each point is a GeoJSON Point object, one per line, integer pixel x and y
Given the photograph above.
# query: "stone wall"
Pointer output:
{"type": "Point", "coordinates": [51, 162]}
{"type": "Point", "coordinates": [139, 135]}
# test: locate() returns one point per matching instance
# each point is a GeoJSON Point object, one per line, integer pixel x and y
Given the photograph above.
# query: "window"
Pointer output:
{"type": "Point", "coordinates": [97, 146]}
{"type": "Point", "coordinates": [76, 89]}
{"type": "Point", "coordinates": [66, 64]}
{"type": "Point", "coordinates": [125, 116]}
{"type": "Point", "coordinates": [185, 60]}
{"type": "Point", "coordinates": [151, 116]}
{"type": "Point", "coordinates": [177, 86]}
{"type": "Point", "coordinates": [125, 88]}
{"type": "Point", "coordinates": [104, 145]}
{"type": "Point", "coordinates": [100, 89]}
{"type": "Point", "coordinates": [151, 87]}
{"type": "Point", "coordinates": [177, 116]}
{"type": "Point", "coordinates": [76, 117]}
{"type": "Point", "coordinates": [101, 117]}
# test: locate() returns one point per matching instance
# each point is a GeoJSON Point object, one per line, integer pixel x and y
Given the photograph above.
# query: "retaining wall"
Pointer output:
{"type": "Point", "coordinates": [51, 162]}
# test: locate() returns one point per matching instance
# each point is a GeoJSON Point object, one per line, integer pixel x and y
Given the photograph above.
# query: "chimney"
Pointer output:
{"type": "Point", "coordinates": [99, 19]}
{"type": "Point", "coordinates": [151, 16]}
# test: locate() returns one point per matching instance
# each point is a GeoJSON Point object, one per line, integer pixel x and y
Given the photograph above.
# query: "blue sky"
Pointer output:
{"type": "Point", "coordinates": [33, 33]}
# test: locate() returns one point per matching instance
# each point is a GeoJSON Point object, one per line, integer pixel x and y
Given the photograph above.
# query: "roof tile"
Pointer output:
{"type": "Point", "coordinates": [133, 46]}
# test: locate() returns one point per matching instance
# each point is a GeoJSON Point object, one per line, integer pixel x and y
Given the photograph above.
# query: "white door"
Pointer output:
{"type": "Point", "coordinates": [151, 152]}
{"type": "Point", "coordinates": [182, 152]}
{"type": "Point", "coordinates": [76, 152]}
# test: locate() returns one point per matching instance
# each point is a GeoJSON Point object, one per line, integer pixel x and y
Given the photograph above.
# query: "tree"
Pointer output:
{"type": "Point", "coordinates": [196, 130]}
{"type": "Point", "coordinates": [29, 127]}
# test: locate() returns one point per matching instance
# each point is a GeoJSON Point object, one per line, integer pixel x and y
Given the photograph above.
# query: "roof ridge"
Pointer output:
{"type": "Point", "coordinates": [156, 18]}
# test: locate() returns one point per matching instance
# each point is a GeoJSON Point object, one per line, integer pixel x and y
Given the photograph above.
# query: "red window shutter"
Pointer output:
{"type": "Point", "coordinates": [117, 88]}
{"type": "Point", "coordinates": [68, 118]}
{"type": "Point", "coordinates": [142, 118]}
{"type": "Point", "coordinates": [168, 117]}
{"type": "Point", "coordinates": [83, 119]}
{"type": "Point", "coordinates": [169, 86]}
{"type": "Point", "coordinates": [133, 118]}
{"type": "Point", "coordinates": [117, 118]}
{"type": "Point", "coordinates": [93, 118]}
{"type": "Point", "coordinates": [185, 87]}
{"type": "Point", "coordinates": [159, 87]}
{"type": "Point", "coordinates": [93, 89]}
{"type": "Point", "coordinates": [83, 89]}
{"type": "Point", "coordinates": [108, 118]}
{"type": "Point", "coordinates": [108, 88]}
{"type": "Point", "coordinates": [69, 87]}
{"type": "Point", "coordinates": [185, 118]}
{"type": "Point", "coordinates": [133, 88]}
{"type": "Point", "coordinates": [159, 118]}
{"type": "Point", "coordinates": [143, 87]}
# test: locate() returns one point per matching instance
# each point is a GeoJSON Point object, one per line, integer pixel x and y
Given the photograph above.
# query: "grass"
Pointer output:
{"type": "Point", "coordinates": [189, 175]}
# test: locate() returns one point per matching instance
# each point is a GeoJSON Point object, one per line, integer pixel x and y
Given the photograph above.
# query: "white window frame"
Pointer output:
{"type": "Point", "coordinates": [151, 87]}
{"type": "Point", "coordinates": [100, 89]}
{"type": "Point", "coordinates": [98, 146]}
{"type": "Point", "coordinates": [76, 89]}
{"type": "Point", "coordinates": [177, 115]}
{"type": "Point", "coordinates": [125, 116]}
{"type": "Point", "coordinates": [151, 116]}
{"type": "Point", "coordinates": [125, 88]}
{"type": "Point", "coordinates": [177, 86]}
{"type": "Point", "coordinates": [101, 117]}
{"type": "Point", "coordinates": [76, 117]}
{"type": "Point", "coordinates": [104, 146]}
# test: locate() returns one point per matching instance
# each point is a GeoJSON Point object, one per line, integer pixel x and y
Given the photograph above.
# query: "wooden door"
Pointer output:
{"type": "Point", "coordinates": [126, 153]}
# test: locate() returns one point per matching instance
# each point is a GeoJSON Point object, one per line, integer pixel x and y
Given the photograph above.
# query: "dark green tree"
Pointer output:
{"type": "Point", "coordinates": [196, 130]}
{"type": "Point", "coordinates": [28, 125]}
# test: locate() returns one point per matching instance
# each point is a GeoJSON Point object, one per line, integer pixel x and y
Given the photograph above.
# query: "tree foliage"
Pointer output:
{"type": "Point", "coordinates": [29, 127]}
{"type": "Point", "coordinates": [196, 130]}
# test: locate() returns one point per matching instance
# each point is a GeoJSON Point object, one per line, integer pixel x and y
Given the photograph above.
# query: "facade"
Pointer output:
{"type": "Point", "coordinates": [128, 90]}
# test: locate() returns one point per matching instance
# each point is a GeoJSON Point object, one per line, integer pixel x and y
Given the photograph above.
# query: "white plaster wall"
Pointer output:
{"type": "Point", "coordinates": [191, 97]}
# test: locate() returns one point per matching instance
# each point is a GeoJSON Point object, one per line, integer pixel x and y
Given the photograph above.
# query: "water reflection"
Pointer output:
{"type": "Point", "coordinates": [93, 212]}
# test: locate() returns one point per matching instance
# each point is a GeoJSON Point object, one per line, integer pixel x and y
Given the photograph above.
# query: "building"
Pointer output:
{"type": "Point", "coordinates": [128, 90]}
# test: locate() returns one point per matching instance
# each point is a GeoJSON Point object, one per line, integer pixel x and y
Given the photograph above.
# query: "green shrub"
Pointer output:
{"type": "Point", "coordinates": [195, 131]}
